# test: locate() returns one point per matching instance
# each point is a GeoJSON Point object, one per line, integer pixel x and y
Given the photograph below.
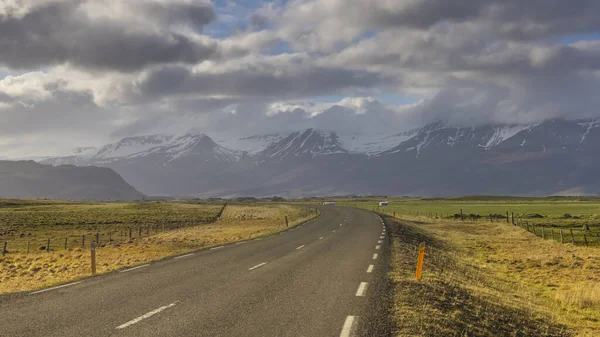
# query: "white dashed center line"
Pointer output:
{"type": "Point", "coordinates": [362, 289]}
{"type": "Point", "coordinates": [258, 266]}
{"type": "Point", "coordinates": [381, 237]}
{"type": "Point", "coordinates": [347, 328]}
{"type": "Point", "coordinates": [321, 238]}
{"type": "Point", "coordinates": [375, 256]}
{"type": "Point", "coordinates": [379, 241]}
{"type": "Point", "coordinates": [333, 231]}
{"type": "Point", "coordinates": [134, 268]}
{"type": "Point", "coordinates": [144, 316]}
{"type": "Point", "coordinates": [300, 247]}
{"type": "Point", "coordinates": [182, 256]}
{"type": "Point", "coordinates": [370, 269]}
{"type": "Point", "coordinates": [54, 288]}
{"type": "Point", "coordinates": [377, 247]}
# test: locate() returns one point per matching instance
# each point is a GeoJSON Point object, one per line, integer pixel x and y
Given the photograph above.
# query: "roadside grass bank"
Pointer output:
{"type": "Point", "coordinates": [39, 269]}
{"type": "Point", "coordinates": [491, 279]}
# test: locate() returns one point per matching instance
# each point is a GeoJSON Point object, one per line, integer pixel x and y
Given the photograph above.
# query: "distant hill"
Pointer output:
{"type": "Point", "coordinates": [31, 180]}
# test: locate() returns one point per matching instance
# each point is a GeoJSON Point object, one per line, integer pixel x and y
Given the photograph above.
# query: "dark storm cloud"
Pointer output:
{"type": "Point", "coordinates": [259, 82]}
{"type": "Point", "coordinates": [62, 32]}
{"type": "Point", "coordinates": [517, 18]}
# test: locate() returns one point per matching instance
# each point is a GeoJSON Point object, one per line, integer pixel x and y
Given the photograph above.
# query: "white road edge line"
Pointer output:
{"type": "Point", "coordinates": [147, 315]}
{"type": "Point", "coordinates": [218, 247]}
{"type": "Point", "coordinates": [377, 247]}
{"type": "Point", "coordinates": [381, 237]}
{"type": "Point", "coordinates": [362, 288]}
{"type": "Point", "coordinates": [370, 269]}
{"type": "Point", "coordinates": [258, 266]}
{"type": "Point", "coordinates": [347, 328]}
{"type": "Point", "coordinates": [379, 241]}
{"type": "Point", "coordinates": [375, 256]}
{"type": "Point", "coordinates": [182, 256]}
{"type": "Point", "coordinates": [333, 231]}
{"type": "Point", "coordinates": [239, 243]}
{"type": "Point", "coordinates": [321, 238]}
{"type": "Point", "coordinates": [300, 247]}
{"type": "Point", "coordinates": [54, 288]}
{"type": "Point", "coordinates": [134, 268]}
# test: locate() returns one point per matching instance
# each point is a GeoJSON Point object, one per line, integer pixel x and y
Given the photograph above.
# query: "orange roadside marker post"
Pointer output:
{"type": "Point", "coordinates": [420, 261]}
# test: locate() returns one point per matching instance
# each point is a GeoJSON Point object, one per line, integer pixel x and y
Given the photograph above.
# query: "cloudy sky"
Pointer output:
{"type": "Point", "coordinates": [87, 72]}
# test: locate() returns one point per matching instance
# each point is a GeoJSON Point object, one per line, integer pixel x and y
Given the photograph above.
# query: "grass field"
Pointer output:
{"type": "Point", "coordinates": [556, 213]}
{"type": "Point", "coordinates": [186, 230]}
{"type": "Point", "coordinates": [37, 222]}
{"type": "Point", "coordinates": [492, 278]}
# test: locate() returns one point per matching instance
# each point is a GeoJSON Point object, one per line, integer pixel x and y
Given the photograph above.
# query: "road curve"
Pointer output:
{"type": "Point", "coordinates": [319, 279]}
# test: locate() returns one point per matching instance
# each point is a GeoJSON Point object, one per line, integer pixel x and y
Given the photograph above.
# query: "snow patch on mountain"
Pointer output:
{"type": "Point", "coordinates": [589, 126]}
{"type": "Point", "coordinates": [250, 145]}
{"type": "Point", "coordinates": [373, 144]}
{"type": "Point", "coordinates": [132, 147]}
{"type": "Point", "coordinates": [502, 133]}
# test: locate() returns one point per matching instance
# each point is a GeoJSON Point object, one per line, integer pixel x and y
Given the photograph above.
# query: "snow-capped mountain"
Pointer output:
{"type": "Point", "coordinates": [171, 147]}
{"type": "Point", "coordinates": [542, 158]}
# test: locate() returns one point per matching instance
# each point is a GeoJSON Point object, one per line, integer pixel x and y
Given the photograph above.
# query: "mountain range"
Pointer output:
{"type": "Point", "coordinates": [554, 157]}
{"type": "Point", "coordinates": [31, 180]}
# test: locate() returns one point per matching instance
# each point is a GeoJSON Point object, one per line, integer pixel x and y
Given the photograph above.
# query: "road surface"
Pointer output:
{"type": "Point", "coordinates": [323, 278]}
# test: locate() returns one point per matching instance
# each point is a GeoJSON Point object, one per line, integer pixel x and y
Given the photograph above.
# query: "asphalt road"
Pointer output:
{"type": "Point", "coordinates": [318, 279]}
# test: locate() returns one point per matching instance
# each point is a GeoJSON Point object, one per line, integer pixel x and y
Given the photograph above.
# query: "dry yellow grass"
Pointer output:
{"type": "Point", "coordinates": [494, 279]}
{"type": "Point", "coordinates": [23, 272]}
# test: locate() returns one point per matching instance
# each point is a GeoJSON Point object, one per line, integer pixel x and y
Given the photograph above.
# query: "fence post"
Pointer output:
{"type": "Point", "coordinates": [4, 248]}
{"type": "Point", "coordinates": [543, 236]}
{"type": "Point", "coordinates": [83, 241]}
{"type": "Point", "coordinates": [585, 238]}
{"type": "Point", "coordinates": [572, 239]}
{"type": "Point", "coordinates": [129, 233]}
{"type": "Point", "coordinates": [140, 232]}
{"type": "Point", "coordinates": [286, 222]}
{"type": "Point", "coordinates": [491, 218]}
{"type": "Point", "coordinates": [552, 231]}
{"type": "Point", "coordinates": [93, 256]}
{"type": "Point", "coordinates": [462, 217]}
{"type": "Point", "coordinates": [507, 220]}
{"type": "Point", "coordinates": [562, 238]}
{"type": "Point", "coordinates": [420, 261]}
{"type": "Point", "coordinates": [533, 229]}
{"type": "Point", "coordinates": [28, 242]}
{"type": "Point", "coordinates": [513, 217]}
{"type": "Point", "coordinates": [66, 244]}
{"type": "Point", "coordinates": [48, 246]}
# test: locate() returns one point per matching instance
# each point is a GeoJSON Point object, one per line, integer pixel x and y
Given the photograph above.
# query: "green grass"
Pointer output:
{"type": "Point", "coordinates": [581, 212]}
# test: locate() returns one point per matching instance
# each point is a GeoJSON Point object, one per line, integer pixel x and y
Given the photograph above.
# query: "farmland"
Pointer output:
{"type": "Point", "coordinates": [158, 230]}
{"type": "Point", "coordinates": [581, 215]}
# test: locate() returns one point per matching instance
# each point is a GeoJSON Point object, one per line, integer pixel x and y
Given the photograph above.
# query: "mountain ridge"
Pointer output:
{"type": "Point", "coordinates": [312, 161]}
